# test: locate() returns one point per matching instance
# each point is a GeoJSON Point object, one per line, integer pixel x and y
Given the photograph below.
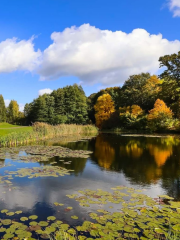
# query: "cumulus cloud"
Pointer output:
{"type": "Point", "coordinates": [21, 107]}
{"type": "Point", "coordinates": [18, 55]}
{"type": "Point", "coordinates": [103, 56]}
{"type": "Point", "coordinates": [45, 90]}
{"type": "Point", "coordinates": [174, 6]}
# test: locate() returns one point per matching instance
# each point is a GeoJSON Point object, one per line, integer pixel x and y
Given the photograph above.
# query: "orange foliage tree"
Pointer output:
{"type": "Point", "coordinates": [159, 116]}
{"type": "Point", "coordinates": [104, 107]}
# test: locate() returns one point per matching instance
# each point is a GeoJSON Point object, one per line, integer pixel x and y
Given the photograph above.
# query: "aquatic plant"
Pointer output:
{"type": "Point", "coordinates": [140, 217]}
{"type": "Point", "coordinates": [41, 153]}
{"type": "Point", "coordinates": [42, 131]}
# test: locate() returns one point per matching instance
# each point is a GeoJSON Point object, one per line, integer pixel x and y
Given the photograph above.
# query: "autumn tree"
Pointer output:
{"type": "Point", "coordinates": [12, 112]}
{"type": "Point", "coordinates": [132, 117]}
{"type": "Point", "coordinates": [104, 107]}
{"type": "Point", "coordinates": [159, 118]}
{"type": "Point", "coordinates": [114, 92]}
{"type": "Point", "coordinates": [2, 110]}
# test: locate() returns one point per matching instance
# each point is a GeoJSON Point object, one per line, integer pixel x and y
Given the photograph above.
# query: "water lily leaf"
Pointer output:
{"type": "Point", "coordinates": [74, 217]}
{"type": "Point", "coordinates": [33, 217]}
{"type": "Point", "coordinates": [10, 213]}
{"type": "Point", "coordinates": [23, 219]}
{"type": "Point", "coordinates": [2, 229]}
{"type": "Point", "coordinates": [18, 212]}
{"type": "Point", "coordinates": [6, 221]}
{"type": "Point", "coordinates": [8, 235]}
{"type": "Point", "coordinates": [33, 223]}
{"type": "Point", "coordinates": [43, 224]}
{"type": "Point", "coordinates": [4, 211]}
{"type": "Point", "coordinates": [51, 218]}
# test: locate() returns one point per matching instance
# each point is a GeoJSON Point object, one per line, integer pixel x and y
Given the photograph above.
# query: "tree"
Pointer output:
{"type": "Point", "coordinates": [171, 81]}
{"type": "Point", "coordinates": [64, 105]}
{"type": "Point", "coordinates": [75, 104]}
{"type": "Point", "coordinates": [150, 91]}
{"type": "Point", "coordinates": [114, 92]}
{"type": "Point", "coordinates": [2, 110]}
{"type": "Point", "coordinates": [131, 92]}
{"type": "Point", "coordinates": [104, 107]}
{"type": "Point", "coordinates": [159, 116]}
{"type": "Point", "coordinates": [172, 64]}
{"type": "Point", "coordinates": [13, 112]}
{"type": "Point", "coordinates": [59, 107]}
{"type": "Point", "coordinates": [132, 117]}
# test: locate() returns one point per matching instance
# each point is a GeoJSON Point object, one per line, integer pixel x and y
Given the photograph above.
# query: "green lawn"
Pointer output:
{"type": "Point", "coordinates": [6, 128]}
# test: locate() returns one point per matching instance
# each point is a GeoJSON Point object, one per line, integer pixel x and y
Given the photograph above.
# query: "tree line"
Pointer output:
{"type": "Point", "coordinates": [144, 102]}
{"type": "Point", "coordinates": [10, 114]}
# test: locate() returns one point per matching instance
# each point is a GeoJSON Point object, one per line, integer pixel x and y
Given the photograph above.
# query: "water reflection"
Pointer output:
{"type": "Point", "coordinates": [140, 162]}
{"type": "Point", "coordinates": [104, 153]}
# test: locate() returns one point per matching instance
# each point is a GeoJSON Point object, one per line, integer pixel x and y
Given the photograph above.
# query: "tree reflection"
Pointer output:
{"type": "Point", "coordinates": [133, 149]}
{"type": "Point", "coordinates": [104, 152]}
{"type": "Point", "coordinates": [144, 160]}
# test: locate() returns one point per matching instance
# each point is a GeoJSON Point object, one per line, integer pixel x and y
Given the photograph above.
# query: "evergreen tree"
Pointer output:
{"type": "Point", "coordinates": [2, 110]}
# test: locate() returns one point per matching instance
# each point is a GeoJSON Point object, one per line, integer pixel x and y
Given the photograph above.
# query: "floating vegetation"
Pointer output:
{"type": "Point", "coordinates": [139, 217]}
{"type": "Point", "coordinates": [44, 171]}
{"type": "Point", "coordinates": [41, 153]}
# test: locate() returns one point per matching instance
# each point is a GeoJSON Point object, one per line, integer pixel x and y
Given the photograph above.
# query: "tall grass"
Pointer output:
{"type": "Point", "coordinates": [42, 131]}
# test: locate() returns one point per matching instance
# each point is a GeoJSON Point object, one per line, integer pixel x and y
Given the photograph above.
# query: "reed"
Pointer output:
{"type": "Point", "coordinates": [43, 131]}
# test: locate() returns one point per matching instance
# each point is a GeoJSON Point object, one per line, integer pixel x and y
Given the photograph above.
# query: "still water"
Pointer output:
{"type": "Point", "coordinates": [142, 162]}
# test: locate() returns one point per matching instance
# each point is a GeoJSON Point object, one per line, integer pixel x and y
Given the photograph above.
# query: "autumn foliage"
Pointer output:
{"type": "Point", "coordinates": [133, 110]}
{"type": "Point", "coordinates": [160, 110]}
{"type": "Point", "coordinates": [160, 117]}
{"type": "Point", "coordinates": [104, 107]}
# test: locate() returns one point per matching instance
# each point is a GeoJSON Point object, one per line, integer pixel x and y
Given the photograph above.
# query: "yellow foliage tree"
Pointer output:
{"type": "Point", "coordinates": [160, 117]}
{"type": "Point", "coordinates": [104, 107]}
{"type": "Point", "coordinates": [134, 110]}
{"type": "Point", "coordinates": [160, 110]}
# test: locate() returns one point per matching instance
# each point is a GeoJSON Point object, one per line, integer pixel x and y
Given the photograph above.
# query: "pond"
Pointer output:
{"type": "Point", "coordinates": [148, 163]}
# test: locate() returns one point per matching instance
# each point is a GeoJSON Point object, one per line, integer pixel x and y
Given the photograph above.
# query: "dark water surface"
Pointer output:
{"type": "Point", "coordinates": [151, 163]}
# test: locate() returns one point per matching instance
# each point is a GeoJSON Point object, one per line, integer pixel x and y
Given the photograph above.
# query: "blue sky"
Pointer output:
{"type": "Point", "coordinates": [40, 49]}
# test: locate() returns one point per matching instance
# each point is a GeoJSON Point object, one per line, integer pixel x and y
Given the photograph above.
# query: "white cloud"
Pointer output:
{"type": "Point", "coordinates": [7, 101]}
{"type": "Point", "coordinates": [174, 6]}
{"type": "Point", "coordinates": [103, 56]}
{"type": "Point", "coordinates": [45, 90]}
{"type": "Point", "coordinates": [18, 55]}
{"type": "Point", "coordinates": [21, 107]}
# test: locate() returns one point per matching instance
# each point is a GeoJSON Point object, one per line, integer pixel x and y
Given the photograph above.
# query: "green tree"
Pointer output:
{"type": "Point", "coordinates": [59, 107]}
{"type": "Point", "coordinates": [170, 93]}
{"type": "Point", "coordinates": [64, 105]}
{"type": "Point", "coordinates": [131, 92]}
{"type": "Point", "coordinates": [172, 64]}
{"type": "Point", "coordinates": [2, 110]}
{"type": "Point", "coordinates": [75, 104]}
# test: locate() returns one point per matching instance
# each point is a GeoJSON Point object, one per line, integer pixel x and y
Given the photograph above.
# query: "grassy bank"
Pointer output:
{"type": "Point", "coordinates": [42, 131]}
{"type": "Point", "coordinates": [6, 128]}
